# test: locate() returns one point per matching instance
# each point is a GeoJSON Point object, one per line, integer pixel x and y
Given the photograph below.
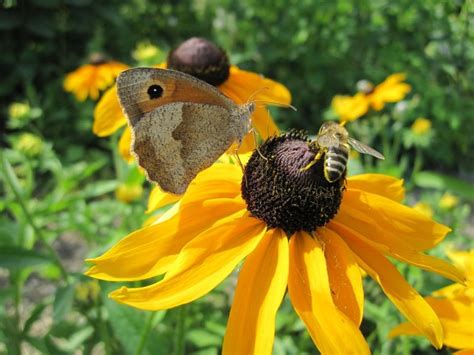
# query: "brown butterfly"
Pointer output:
{"type": "Point", "coordinates": [180, 125]}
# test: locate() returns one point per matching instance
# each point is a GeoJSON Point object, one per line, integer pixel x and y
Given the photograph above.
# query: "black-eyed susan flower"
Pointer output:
{"type": "Point", "coordinates": [421, 126]}
{"type": "Point", "coordinates": [202, 59]}
{"type": "Point", "coordinates": [454, 305]}
{"type": "Point", "coordinates": [295, 231]}
{"type": "Point", "coordinates": [89, 79]}
{"type": "Point", "coordinates": [392, 89]}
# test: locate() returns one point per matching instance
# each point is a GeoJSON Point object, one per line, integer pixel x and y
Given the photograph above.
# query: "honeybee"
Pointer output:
{"type": "Point", "coordinates": [334, 142]}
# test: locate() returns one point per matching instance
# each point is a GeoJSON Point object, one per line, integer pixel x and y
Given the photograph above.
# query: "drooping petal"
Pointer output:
{"type": "Point", "coordinates": [201, 265]}
{"type": "Point", "coordinates": [243, 84]}
{"type": "Point", "coordinates": [263, 123]}
{"type": "Point", "coordinates": [403, 296]}
{"type": "Point", "coordinates": [344, 276]}
{"type": "Point", "coordinates": [392, 89]}
{"type": "Point", "coordinates": [150, 251]}
{"type": "Point", "coordinates": [390, 218]}
{"type": "Point", "coordinates": [108, 115]}
{"type": "Point", "coordinates": [402, 251]}
{"type": "Point", "coordinates": [457, 319]}
{"type": "Point", "coordinates": [310, 293]}
{"type": "Point", "coordinates": [124, 144]}
{"type": "Point", "coordinates": [159, 198]}
{"type": "Point", "coordinates": [378, 184]}
{"type": "Point", "coordinates": [260, 290]}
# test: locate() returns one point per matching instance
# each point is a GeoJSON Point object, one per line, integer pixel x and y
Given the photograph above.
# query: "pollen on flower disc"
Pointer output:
{"type": "Point", "coordinates": [201, 59]}
{"type": "Point", "coordinates": [283, 195]}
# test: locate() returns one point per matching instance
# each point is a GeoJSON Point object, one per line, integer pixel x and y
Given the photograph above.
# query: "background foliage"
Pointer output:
{"type": "Point", "coordinates": [59, 198]}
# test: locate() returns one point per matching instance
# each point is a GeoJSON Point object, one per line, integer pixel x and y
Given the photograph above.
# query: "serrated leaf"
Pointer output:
{"type": "Point", "coordinates": [14, 258]}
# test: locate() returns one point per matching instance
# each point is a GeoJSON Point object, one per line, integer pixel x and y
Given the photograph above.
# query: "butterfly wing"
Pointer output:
{"type": "Point", "coordinates": [172, 142]}
{"type": "Point", "coordinates": [364, 149]}
{"type": "Point", "coordinates": [141, 90]}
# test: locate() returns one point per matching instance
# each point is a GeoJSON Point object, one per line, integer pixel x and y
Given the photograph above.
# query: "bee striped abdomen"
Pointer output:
{"type": "Point", "coordinates": [335, 162]}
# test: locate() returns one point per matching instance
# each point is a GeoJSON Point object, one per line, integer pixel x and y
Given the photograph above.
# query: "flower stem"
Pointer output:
{"type": "Point", "coordinates": [12, 181]}
{"type": "Point", "coordinates": [179, 338]}
{"type": "Point", "coordinates": [146, 332]}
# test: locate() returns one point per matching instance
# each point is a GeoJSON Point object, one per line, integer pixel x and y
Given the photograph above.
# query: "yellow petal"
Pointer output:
{"type": "Point", "coordinates": [392, 219]}
{"type": "Point", "coordinates": [263, 123]}
{"type": "Point", "coordinates": [310, 293]}
{"type": "Point", "coordinates": [344, 275]}
{"type": "Point", "coordinates": [400, 250]}
{"type": "Point", "coordinates": [350, 108]}
{"type": "Point", "coordinates": [260, 290]}
{"type": "Point", "coordinates": [201, 265]}
{"type": "Point", "coordinates": [457, 319]}
{"type": "Point", "coordinates": [159, 198]}
{"type": "Point", "coordinates": [124, 145]}
{"type": "Point", "coordinates": [391, 90]}
{"type": "Point", "coordinates": [108, 115]}
{"type": "Point", "coordinates": [403, 296]}
{"type": "Point", "coordinates": [464, 352]}
{"type": "Point", "coordinates": [243, 84]}
{"type": "Point", "coordinates": [378, 184]}
{"type": "Point", "coordinates": [150, 251]}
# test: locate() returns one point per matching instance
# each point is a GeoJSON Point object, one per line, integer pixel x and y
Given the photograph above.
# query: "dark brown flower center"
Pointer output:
{"type": "Point", "coordinates": [283, 195]}
{"type": "Point", "coordinates": [202, 59]}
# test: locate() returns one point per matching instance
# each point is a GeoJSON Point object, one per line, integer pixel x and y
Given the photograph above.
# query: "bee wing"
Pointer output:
{"type": "Point", "coordinates": [327, 141]}
{"type": "Point", "coordinates": [364, 149]}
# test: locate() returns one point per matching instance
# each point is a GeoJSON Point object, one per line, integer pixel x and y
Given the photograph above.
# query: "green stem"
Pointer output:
{"type": "Point", "coordinates": [145, 332]}
{"type": "Point", "coordinates": [104, 332]}
{"type": "Point", "coordinates": [116, 156]}
{"type": "Point", "coordinates": [179, 338]}
{"type": "Point", "coordinates": [12, 181]}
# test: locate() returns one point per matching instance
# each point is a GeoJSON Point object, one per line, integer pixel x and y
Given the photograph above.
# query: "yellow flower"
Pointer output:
{"type": "Point", "coordinates": [448, 201]}
{"type": "Point", "coordinates": [88, 80]}
{"type": "Point", "coordinates": [392, 89]}
{"type": "Point", "coordinates": [454, 305]}
{"type": "Point", "coordinates": [295, 230]}
{"type": "Point", "coordinates": [145, 51]}
{"type": "Point", "coordinates": [29, 144]}
{"type": "Point", "coordinates": [421, 126]}
{"type": "Point", "coordinates": [18, 110]}
{"type": "Point", "coordinates": [202, 59]}
{"type": "Point", "coordinates": [424, 208]}
{"type": "Point", "coordinates": [128, 193]}
{"type": "Point", "coordinates": [350, 108]}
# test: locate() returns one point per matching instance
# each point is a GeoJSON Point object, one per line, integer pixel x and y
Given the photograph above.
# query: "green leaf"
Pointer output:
{"type": "Point", "coordinates": [63, 302]}
{"type": "Point", "coordinates": [34, 316]}
{"type": "Point", "coordinates": [428, 179]}
{"type": "Point", "coordinates": [14, 258]}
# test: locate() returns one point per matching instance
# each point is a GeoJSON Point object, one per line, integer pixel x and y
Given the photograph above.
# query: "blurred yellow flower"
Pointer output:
{"type": "Point", "coordinates": [18, 110]}
{"type": "Point", "coordinates": [350, 108]}
{"type": "Point", "coordinates": [145, 52]}
{"type": "Point", "coordinates": [448, 201]}
{"type": "Point", "coordinates": [87, 292]}
{"type": "Point", "coordinates": [421, 126]}
{"type": "Point", "coordinates": [88, 80]}
{"type": "Point", "coordinates": [424, 208]}
{"type": "Point", "coordinates": [29, 144]}
{"type": "Point", "coordinates": [204, 60]}
{"type": "Point", "coordinates": [454, 305]}
{"type": "Point", "coordinates": [295, 233]}
{"type": "Point", "coordinates": [128, 192]}
{"type": "Point", "coordinates": [392, 89]}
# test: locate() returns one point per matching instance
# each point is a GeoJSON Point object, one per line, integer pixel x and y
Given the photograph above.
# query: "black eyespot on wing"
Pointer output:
{"type": "Point", "coordinates": [155, 92]}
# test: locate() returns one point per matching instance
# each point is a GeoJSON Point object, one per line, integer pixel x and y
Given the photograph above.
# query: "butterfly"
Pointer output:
{"type": "Point", "coordinates": [180, 125]}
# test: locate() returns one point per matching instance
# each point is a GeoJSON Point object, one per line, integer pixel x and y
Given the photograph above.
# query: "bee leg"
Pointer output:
{"type": "Point", "coordinates": [314, 161]}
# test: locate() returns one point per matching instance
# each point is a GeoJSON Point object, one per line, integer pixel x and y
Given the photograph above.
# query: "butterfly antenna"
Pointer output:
{"type": "Point", "coordinates": [255, 93]}
{"type": "Point", "coordinates": [274, 103]}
